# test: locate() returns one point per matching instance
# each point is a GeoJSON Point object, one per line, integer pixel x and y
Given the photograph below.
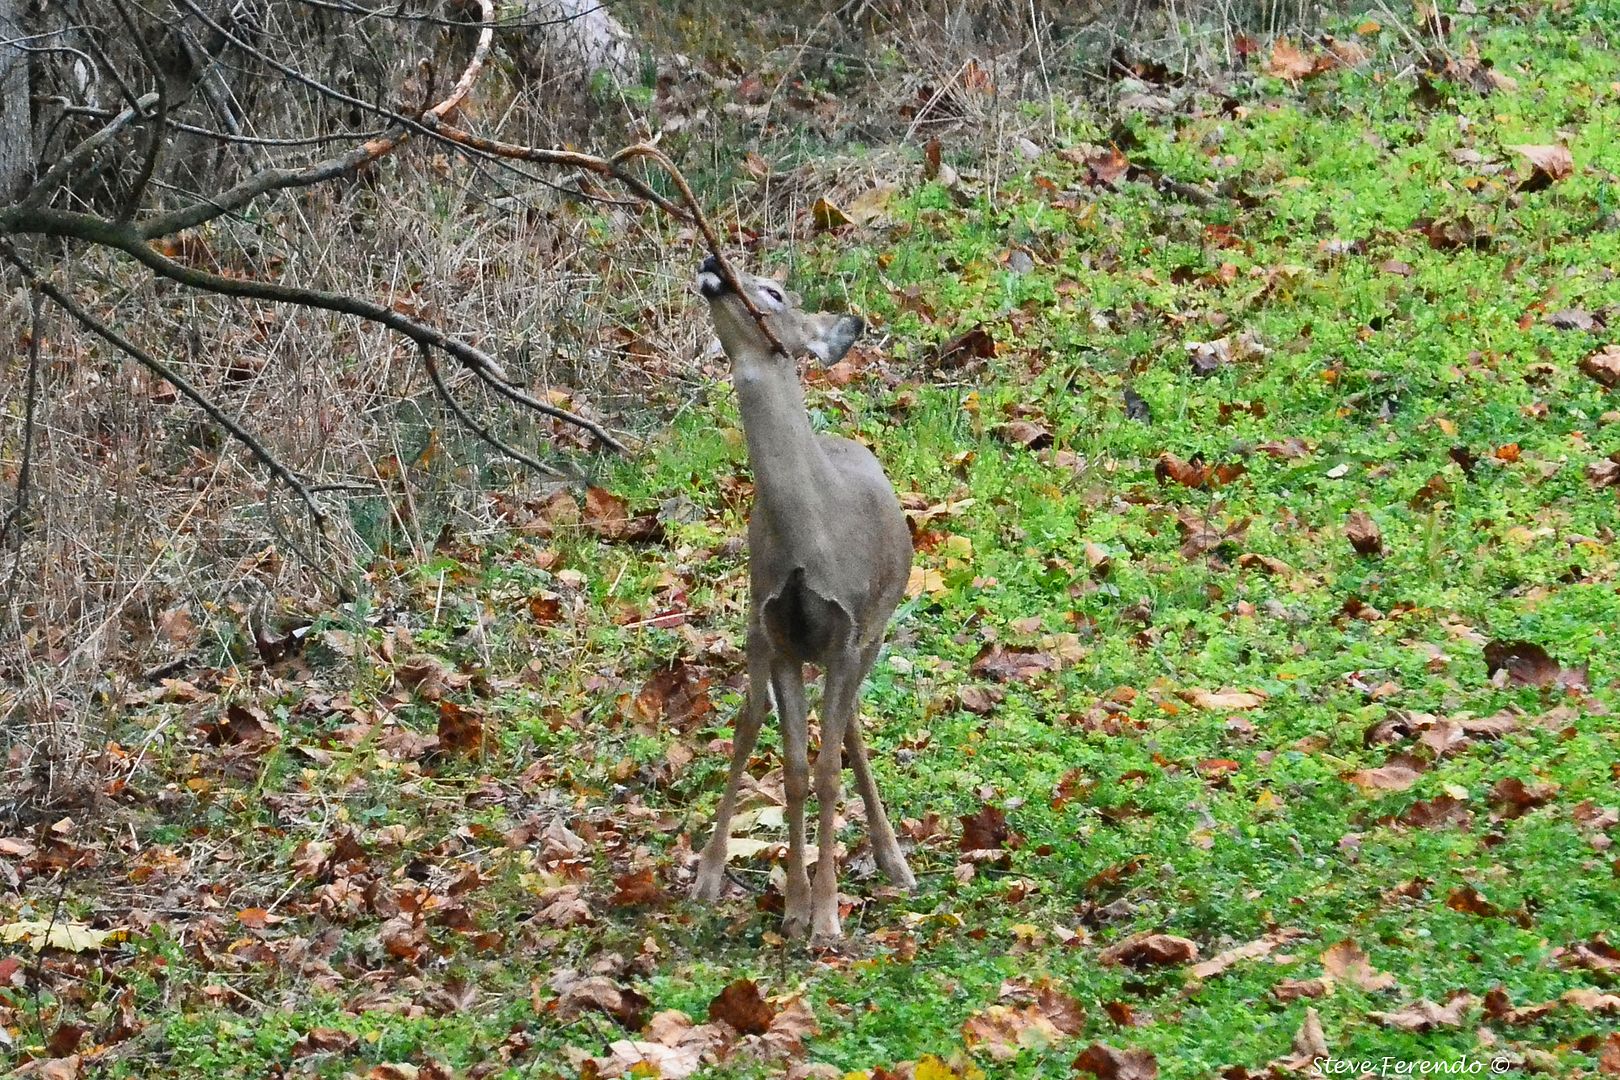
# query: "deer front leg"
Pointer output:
{"type": "Point", "coordinates": [711, 877]}
{"type": "Point", "coordinates": [837, 717]}
{"type": "Point", "coordinates": [787, 683]}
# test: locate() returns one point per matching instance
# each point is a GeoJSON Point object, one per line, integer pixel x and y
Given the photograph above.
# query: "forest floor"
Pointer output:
{"type": "Point", "coordinates": [1254, 702]}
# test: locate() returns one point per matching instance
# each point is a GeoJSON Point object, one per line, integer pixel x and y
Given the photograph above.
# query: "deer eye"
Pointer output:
{"type": "Point", "coordinates": [773, 294]}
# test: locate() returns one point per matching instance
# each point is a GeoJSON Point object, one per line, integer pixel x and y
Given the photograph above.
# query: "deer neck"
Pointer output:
{"type": "Point", "coordinates": [792, 475]}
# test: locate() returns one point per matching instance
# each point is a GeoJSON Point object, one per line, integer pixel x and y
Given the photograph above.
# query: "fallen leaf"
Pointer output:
{"type": "Point", "coordinates": [1147, 950]}
{"type": "Point", "coordinates": [1362, 532]}
{"type": "Point", "coordinates": [1604, 366]}
{"type": "Point", "coordinates": [324, 1040]}
{"type": "Point", "coordinates": [597, 993]}
{"type": "Point", "coordinates": [1346, 963]}
{"type": "Point", "coordinates": [1396, 776]}
{"type": "Point", "coordinates": [1003, 1031]}
{"type": "Point", "coordinates": [58, 934]}
{"type": "Point", "coordinates": [742, 1006]}
{"type": "Point", "coordinates": [637, 888]}
{"type": "Point", "coordinates": [826, 215]}
{"type": "Point", "coordinates": [1023, 433]}
{"type": "Point", "coordinates": [986, 830]}
{"type": "Point", "coordinates": [1425, 1015]}
{"type": "Point", "coordinates": [607, 516]}
{"type": "Point", "coordinates": [1107, 1063]}
{"type": "Point", "coordinates": [1528, 664]}
{"type": "Point", "coordinates": [1011, 663]}
{"type": "Point", "coordinates": [1549, 164]}
{"type": "Point", "coordinates": [1223, 700]}
{"type": "Point", "coordinates": [1289, 61]}
{"type": "Point", "coordinates": [1514, 798]}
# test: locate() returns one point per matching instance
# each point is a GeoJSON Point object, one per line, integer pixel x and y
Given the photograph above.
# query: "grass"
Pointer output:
{"type": "Point", "coordinates": [1390, 360]}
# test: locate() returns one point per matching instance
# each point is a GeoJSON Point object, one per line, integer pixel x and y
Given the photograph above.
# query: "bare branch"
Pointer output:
{"type": "Point", "coordinates": [479, 429]}
{"type": "Point", "coordinates": [164, 372]}
{"type": "Point", "coordinates": [127, 239]}
{"type": "Point", "coordinates": [277, 179]}
{"type": "Point", "coordinates": [47, 185]}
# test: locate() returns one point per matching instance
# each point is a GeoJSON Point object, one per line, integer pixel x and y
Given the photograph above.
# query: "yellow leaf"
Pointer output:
{"type": "Point", "coordinates": [923, 580]}
{"type": "Point", "coordinates": [57, 934]}
{"type": "Point", "coordinates": [827, 216]}
{"type": "Point", "coordinates": [931, 1068]}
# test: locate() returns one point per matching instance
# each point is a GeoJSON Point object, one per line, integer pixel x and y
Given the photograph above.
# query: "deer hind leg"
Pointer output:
{"type": "Point", "coordinates": [787, 683]}
{"type": "Point", "coordinates": [711, 876]}
{"type": "Point", "coordinates": [885, 848]}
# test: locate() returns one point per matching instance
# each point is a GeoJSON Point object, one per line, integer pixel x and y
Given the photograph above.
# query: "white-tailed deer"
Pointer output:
{"type": "Point", "coordinates": [828, 558]}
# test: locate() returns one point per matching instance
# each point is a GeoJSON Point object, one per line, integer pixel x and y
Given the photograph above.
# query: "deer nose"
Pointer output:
{"type": "Point", "coordinates": [711, 265]}
{"type": "Point", "coordinates": [709, 281]}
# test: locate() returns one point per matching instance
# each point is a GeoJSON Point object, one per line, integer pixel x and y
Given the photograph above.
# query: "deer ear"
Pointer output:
{"type": "Point", "coordinates": [832, 343]}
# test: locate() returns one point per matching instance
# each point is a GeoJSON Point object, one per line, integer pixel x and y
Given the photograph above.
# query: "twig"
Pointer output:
{"type": "Point", "coordinates": [480, 430]}
{"type": "Point", "coordinates": [163, 371]}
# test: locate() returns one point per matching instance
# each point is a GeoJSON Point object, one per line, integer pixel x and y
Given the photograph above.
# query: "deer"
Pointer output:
{"type": "Point", "coordinates": [829, 555]}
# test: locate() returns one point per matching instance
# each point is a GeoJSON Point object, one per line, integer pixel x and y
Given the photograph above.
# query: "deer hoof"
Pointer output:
{"type": "Point", "coordinates": [708, 886]}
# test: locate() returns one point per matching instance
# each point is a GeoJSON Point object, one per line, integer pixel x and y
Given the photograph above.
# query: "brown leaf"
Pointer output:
{"type": "Point", "coordinates": [1062, 1010]}
{"type": "Point", "coordinates": [243, 725]}
{"type": "Point", "coordinates": [1293, 447]}
{"type": "Point", "coordinates": [1573, 319]}
{"type": "Point", "coordinates": [1011, 663]}
{"type": "Point", "coordinates": [1362, 532]}
{"type": "Point", "coordinates": [1024, 433]}
{"type": "Point", "coordinates": [1609, 1055]}
{"type": "Point", "coordinates": [598, 993]}
{"type": "Point", "coordinates": [638, 887]}
{"type": "Point", "coordinates": [1310, 1041]}
{"type": "Point", "coordinates": [1288, 61]}
{"type": "Point", "coordinates": [1225, 959]}
{"type": "Point", "coordinates": [608, 517]}
{"type": "Point", "coordinates": [1437, 812]}
{"type": "Point", "coordinates": [975, 344]}
{"type": "Point", "coordinates": [986, 830]}
{"type": "Point", "coordinates": [1514, 798]}
{"type": "Point", "coordinates": [1147, 950]}
{"type": "Point", "coordinates": [1002, 1031]}
{"type": "Point", "coordinates": [1346, 963]}
{"type": "Point", "coordinates": [1594, 955]}
{"type": "Point", "coordinates": [1605, 472]}
{"type": "Point", "coordinates": [1468, 900]}
{"type": "Point", "coordinates": [461, 731]}
{"type": "Point", "coordinates": [1195, 473]}
{"type": "Point", "coordinates": [1549, 164]}
{"type": "Point", "coordinates": [1294, 989]}
{"type": "Point", "coordinates": [1604, 366]}
{"type": "Point", "coordinates": [1528, 664]}
{"type": "Point", "coordinates": [1393, 777]}
{"type": "Point", "coordinates": [742, 1006]}
{"type": "Point", "coordinates": [675, 696]}
{"type": "Point", "coordinates": [1425, 1015]}
{"type": "Point", "coordinates": [324, 1040]}
{"type": "Point", "coordinates": [1107, 1063]}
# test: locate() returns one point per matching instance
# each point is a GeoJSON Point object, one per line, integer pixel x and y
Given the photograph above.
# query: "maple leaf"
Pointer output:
{"type": "Point", "coordinates": [1003, 1031]}
{"type": "Point", "coordinates": [1346, 963]}
{"type": "Point", "coordinates": [742, 1006]}
{"type": "Point", "coordinates": [1362, 532]}
{"type": "Point", "coordinates": [1603, 366]}
{"type": "Point", "coordinates": [1011, 663]}
{"type": "Point", "coordinates": [1548, 164]}
{"type": "Point", "coordinates": [1288, 61]}
{"type": "Point", "coordinates": [986, 830]}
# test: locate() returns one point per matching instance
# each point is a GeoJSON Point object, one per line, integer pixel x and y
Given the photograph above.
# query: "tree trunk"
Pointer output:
{"type": "Point", "coordinates": [573, 40]}
{"type": "Point", "coordinates": [16, 123]}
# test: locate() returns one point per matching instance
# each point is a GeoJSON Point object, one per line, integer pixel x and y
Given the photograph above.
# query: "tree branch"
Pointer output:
{"type": "Point", "coordinates": [46, 186]}
{"type": "Point", "coordinates": [164, 372]}
{"type": "Point", "coordinates": [277, 179]}
{"type": "Point", "coordinates": [479, 429]}
{"type": "Point", "coordinates": [154, 143]}
{"type": "Point", "coordinates": [127, 239]}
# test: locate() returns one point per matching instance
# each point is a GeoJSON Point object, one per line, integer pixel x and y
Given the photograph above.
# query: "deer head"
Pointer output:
{"type": "Point", "coordinates": [825, 335]}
